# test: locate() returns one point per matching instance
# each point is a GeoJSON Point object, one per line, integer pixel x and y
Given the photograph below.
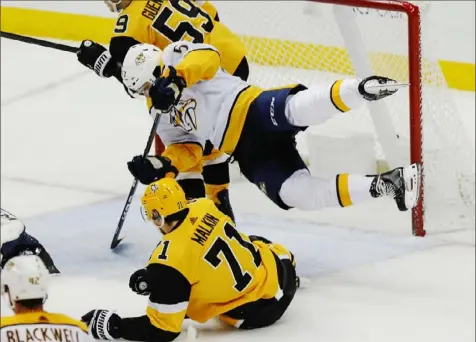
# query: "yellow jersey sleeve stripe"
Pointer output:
{"type": "Point", "coordinates": [167, 322]}
{"type": "Point", "coordinates": [168, 308]}
{"type": "Point", "coordinates": [185, 156]}
{"type": "Point", "coordinates": [197, 65]}
{"type": "Point", "coordinates": [336, 98]}
{"type": "Point", "coordinates": [231, 321]}
{"type": "Point", "coordinates": [343, 194]}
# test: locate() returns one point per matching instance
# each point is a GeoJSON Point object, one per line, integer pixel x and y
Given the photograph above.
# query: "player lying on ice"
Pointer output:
{"type": "Point", "coordinates": [16, 241]}
{"type": "Point", "coordinates": [203, 268]}
{"type": "Point", "coordinates": [257, 127]}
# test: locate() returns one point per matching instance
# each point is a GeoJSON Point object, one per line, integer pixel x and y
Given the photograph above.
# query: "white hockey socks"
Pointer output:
{"type": "Point", "coordinates": [318, 104]}
{"type": "Point", "coordinates": [302, 191]}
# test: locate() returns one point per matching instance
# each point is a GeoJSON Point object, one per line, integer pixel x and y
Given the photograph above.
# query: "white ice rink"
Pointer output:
{"type": "Point", "coordinates": [66, 136]}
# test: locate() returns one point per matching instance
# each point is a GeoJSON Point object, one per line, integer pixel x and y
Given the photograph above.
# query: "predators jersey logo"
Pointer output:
{"type": "Point", "coordinates": [184, 116]}
{"type": "Point", "coordinates": [140, 59]}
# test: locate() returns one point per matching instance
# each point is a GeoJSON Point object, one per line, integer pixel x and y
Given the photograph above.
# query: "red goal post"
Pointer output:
{"type": "Point", "coordinates": [415, 101]}
{"type": "Point", "coordinates": [319, 41]}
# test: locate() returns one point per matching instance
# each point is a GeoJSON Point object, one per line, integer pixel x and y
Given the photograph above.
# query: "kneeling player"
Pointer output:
{"type": "Point", "coordinates": [16, 241]}
{"type": "Point", "coordinates": [257, 127]}
{"type": "Point", "coordinates": [203, 268]}
{"type": "Point", "coordinates": [25, 282]}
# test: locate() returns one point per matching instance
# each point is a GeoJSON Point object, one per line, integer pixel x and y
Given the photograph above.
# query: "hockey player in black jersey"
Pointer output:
{"type": "Point", "coordinates": [16, 241]}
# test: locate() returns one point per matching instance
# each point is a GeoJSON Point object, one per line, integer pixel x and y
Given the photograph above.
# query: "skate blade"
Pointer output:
{"type": "Point", "coordinates": [389, 85]}
{"type": "Point", "coordinates": [412, 177]}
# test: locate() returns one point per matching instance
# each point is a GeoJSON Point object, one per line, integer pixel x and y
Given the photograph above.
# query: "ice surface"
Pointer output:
{"type": "Point", "coordinates": [65, 138]}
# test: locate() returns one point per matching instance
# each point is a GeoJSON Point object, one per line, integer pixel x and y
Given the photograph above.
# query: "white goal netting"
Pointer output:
{"type": "Point", "coordinates": [313, 42]}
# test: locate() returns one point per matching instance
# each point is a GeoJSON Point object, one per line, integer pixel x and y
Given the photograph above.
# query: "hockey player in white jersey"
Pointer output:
{"type": "Point", "coordinates": [257, 127]}
{"type": "Point", "coordinates": [25, 281]}
{"type": "Point", "coordinates": [14, 241]}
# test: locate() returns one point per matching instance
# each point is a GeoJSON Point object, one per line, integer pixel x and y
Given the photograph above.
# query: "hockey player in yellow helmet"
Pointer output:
{"type": "Point", "coordinates": [164, 201]}
{"type": "Point", "coordinates": [203, 268]}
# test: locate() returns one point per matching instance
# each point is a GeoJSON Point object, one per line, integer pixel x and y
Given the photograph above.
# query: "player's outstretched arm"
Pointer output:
{"type": "Point", "coordinates": [166, 309]}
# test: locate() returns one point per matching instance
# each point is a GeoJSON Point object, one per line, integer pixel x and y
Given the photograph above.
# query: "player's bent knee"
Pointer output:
{"type": "Point", "coordinates": [293, 189]}
{"type": "Point", "coordinates": [302, 191]}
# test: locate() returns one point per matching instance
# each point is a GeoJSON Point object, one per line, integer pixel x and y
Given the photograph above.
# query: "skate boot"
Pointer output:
{"type": "Point", "coordinates": [225, 206]}
{"type": "Point", "coordinates": [403, 184]}
{"type": "Point", "coordinates": [48, 261]}
{"type": "Point", "coordinates": [374, 88]}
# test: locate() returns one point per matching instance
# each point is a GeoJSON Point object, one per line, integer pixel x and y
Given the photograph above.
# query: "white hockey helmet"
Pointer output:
{"type": "Point", "coordinates": [139, 65]}
{"type": "Point", "coordinates": [117, 5]}
{"type": "Point", "coordinates": [25, 277]}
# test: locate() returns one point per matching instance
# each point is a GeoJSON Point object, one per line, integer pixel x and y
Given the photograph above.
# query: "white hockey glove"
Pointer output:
{"type": "Point", "coordinates": [102, 324]}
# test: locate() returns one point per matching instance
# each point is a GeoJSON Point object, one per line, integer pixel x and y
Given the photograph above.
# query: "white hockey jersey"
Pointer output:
{"type": "Point", "coordinates": [43, 326]}
{"type": "Point", "coordinates": [11, 227]}
{"type": "Point", "coordinates": [212, 107]}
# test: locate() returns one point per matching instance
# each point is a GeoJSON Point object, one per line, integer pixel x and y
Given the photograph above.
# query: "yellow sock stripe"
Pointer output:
{"type": "Point", "coordinates": [230, 321]}
{"type": "Point", "coordinates": [343, 194]}
{"type": "Point", "coordinates": [336, 99]}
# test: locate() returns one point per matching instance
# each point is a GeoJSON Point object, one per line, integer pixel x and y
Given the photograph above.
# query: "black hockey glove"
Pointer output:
{"type": "Point", "coordinates": [103, 324]}
{"type": "Point", "coordinates": [138, 282]}
{"type": "Point", "coordinates": [166, 90]}
{"type": "Point", "coordinates": [96, 57]}
{"type": "Point", "coordinates": [150, 169]}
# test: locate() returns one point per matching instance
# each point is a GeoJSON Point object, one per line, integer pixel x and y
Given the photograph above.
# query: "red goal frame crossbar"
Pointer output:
{"type": "Point", "coordinates": [415, 58]}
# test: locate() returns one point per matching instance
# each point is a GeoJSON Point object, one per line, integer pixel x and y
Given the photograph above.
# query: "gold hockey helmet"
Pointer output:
{"type": "Point", "coordinates": [163, 198]}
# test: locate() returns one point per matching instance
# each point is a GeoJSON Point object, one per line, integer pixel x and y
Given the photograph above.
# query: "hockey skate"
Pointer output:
{"type": "Point", "coordinates": [374, 88]}
{"type": "Point", "coordinates": [403, 184]}
{"type": "Point", "coordinates": [49, 263]}
{"type": "Point", "coordinates": [225, 206]}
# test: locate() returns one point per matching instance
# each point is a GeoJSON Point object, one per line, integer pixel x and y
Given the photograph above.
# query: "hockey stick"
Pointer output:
{"type": "Point", "coordinates": [116, 240]}
{"type": "Point", "coordinates": [39, 42]}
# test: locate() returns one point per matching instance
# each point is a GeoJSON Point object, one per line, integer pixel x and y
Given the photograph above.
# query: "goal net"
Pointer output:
{"type": "Point", "coordinates": [319, 41]}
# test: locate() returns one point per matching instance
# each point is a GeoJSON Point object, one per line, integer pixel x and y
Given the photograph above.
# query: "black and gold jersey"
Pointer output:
{"type": "Point", "coordinates": [205, 268]}
{"type": "Point", "coordinates": [161, 23]}
{"type": "Point", "coordinates": [43, 326]}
